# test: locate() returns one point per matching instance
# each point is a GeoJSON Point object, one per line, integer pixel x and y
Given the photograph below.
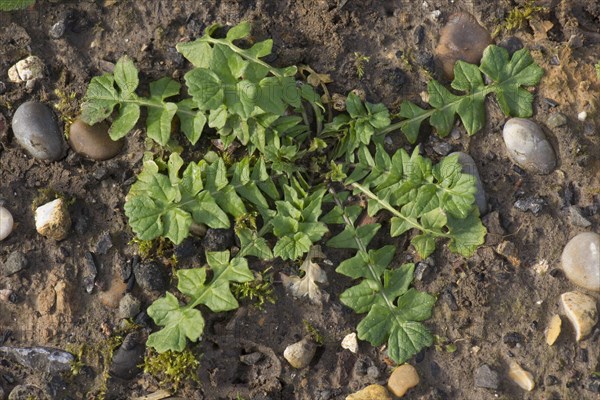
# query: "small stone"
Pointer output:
{"type": "Point", "coordinates": [553, 330]}
{"type": "Point", "coordinates": [581, 311]}
{"type": "Point", "coordinates": [36, 131]}
{"type": "Point", "coordinates": [252, 358]}
{"type": "Point", "coordinates": [371, 392]}
{"type": "Point", "coordinates": [442, 148]}
{"type": "Point", "coordinates": [469, 167]}
{"type": "Point", "coordinates": [47, 359]}
{"type": "Point", "coordinates": [512, 339]}
{"type": "Point", "coordinates": [577, 219]}
{"type": "Point", "coordinates": [15, 262]}
{"type": "Point", "coordinates": [128, 357]}
{"type": "Point", "coordinates": [151, 276]}
{"type": "Point", "coordinates": [511, 44]}
{"type": "Point", "coordinates": [28, 69]}
{"type": "Point", "coordinates": [487, 378]}
{"type": "Point", "coordinates": [528, 147]}
{"type": "Point", "coordinates": [521, 377]}
{"type": "Point", "coordinates": [129, 306]}
{"type": "Point", "coordinates": [350, 343]}
{"type": "Point", "coordinates": [89, 272]}
{"type": "Point", "coordinates": [402, 379]}
{"type": "Point", "coordinates": [508, 250]}
{"type": "Point", "coordinates": [26, 392]}
{"type": "Point", "coordinates": [94, 141]}
{"type": "Point", "coordinates": [556, 120]}
{"type": "Point", "coordinates": [104, 243]}
{"type": "Point", "coordinates": [300, 354]}
{"type": "Point", "coordinates": [58, 30]}
{"type": "Point", "coordinates": [462, 38]}
{"type": "Point", "coordinates": [52, 220]}
{"type": "Point", "coordinates": [581, 260]}
{"type": "Point", "coordinates": [6, 223]}
{"type": "Point", "coordinates": [582, 116]}
{"type": "Point", "coordinates": [532, 203]}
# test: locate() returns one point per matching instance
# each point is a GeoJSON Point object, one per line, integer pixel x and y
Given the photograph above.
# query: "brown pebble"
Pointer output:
{"type": "Point", "coordinates": [402, 379]}
{"type": "Point", "coordinates": [93, 141]}
{"type": "Point", "coordinates": [462, 38]}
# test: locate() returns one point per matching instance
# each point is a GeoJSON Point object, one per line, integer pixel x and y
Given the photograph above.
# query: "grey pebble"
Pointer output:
{"type": "Point", "coordinates": [577, 219]}
{"type": "Point", "coordinates": [58, 30]}
{"type": "Point", "coordinates": [37, 132]}
{"type": "Point", "coordinates": [487, 378]}
{"type": "Point", "coordinates": [217, 239]}
{"type": "Point", "coordinates": [532, 203]}
{"type": "Point", "coordinates": [556, 120]}
{"type": "Point", "coordinates": [129, 306]}
{"type": "Point", "coordinates": [469, 167]}
{"type": "Point", "coordinates": [26, 392]}
{"type": "Point", "coordinates": [15, 262]}
{"type": "Point", "coordinates": [251, 359]}
{"type": "Point", "coordinates": [528, 147]}
{"type": "Point", "coordinates": [90, 271]}
{"type": "Point", "coordinates": [511, 44]}
{"type": "Point", "coordinates": [46, 359]}
{"type": "Point", "coordinates": [150, 276]}
{"type": "Point", "coordinates": [442, 148]}
{"type": "Point", "coordinates": [104, 243]}
{"type": "Point", "coordinates": [127, 357]}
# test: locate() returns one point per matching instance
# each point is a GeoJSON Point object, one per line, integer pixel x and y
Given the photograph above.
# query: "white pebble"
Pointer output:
{"type": "Point", "coordinates": [350, 342]}
{"type": "Point", "coordinates": [581, 260]}
{"type": "Point", "coordinates": [581, 311]}
{"type": "Point", "coordinates": [582, 116]}
{"type": "Point", "coordinates": [28, 69]}
{"type": "Point", "coordinates": [52, 220]}
{"type": "Point", "coordinates": [300, 354]}
{"type": "Point", "coordinates": [6, 223]}
{"type": "Point", "coordinates": [521, 377]}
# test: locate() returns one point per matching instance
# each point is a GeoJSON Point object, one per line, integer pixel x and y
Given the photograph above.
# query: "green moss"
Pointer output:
{"type": "Point", "coordinates": [313, 332]}
{"type": "Point", "coordinates": [259, 291]}
{"type": "Point", "coordinates": [518, 16]}
{"type": "Point", "coordinates": [172, 368]}
{"type": "Point", "coordinates": [359, 63]}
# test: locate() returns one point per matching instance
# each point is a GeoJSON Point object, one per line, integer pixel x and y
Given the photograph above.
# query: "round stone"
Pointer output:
{"type": "Point", "coordinates": [93, 141]}
{"type": "Point", "coordinates": [6, 223]}
{"type": "Point", "coordinates": [37, 132]}
{"type": "Point", "coordinates": [528, 147]}
{"type": "Point", "coordinates": [151, 276]}
{"type": "Point", "coordinates": [402, 379]}
{"type": "Point", "coordinates": [300, 354]}
{"type": "Point", "coordinates": [581, 260]}
{"type": "Point", "coordinates": [462, 38]}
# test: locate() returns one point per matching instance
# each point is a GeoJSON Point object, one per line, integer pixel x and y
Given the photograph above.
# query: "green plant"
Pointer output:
{"type": "Point", "coordinates": [172, 368]}
{"type": "Point", "coordinates": [276, 163]}
{"type": "Point", "coordinates": [597, 68]}
{"type": "Point", "coordinates": [11, 5]}
{"type": "Point", "coordinates": [359, 63]}
{"type": "Point", "coordinates": [259, 291]}
{"type": "Point", "coordinates": [518, 16]}
{"type": "Point", "coordinates": [508, 78]}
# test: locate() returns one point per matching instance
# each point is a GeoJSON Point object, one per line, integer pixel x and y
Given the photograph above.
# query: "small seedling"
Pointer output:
{"type": "Point", "coordinates": [359, 63]}
{"type": "Point", "coordinates": [314, 333]}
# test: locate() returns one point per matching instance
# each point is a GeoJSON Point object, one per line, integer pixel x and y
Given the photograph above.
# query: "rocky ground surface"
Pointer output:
{"type": "Point", "coordinates": [516, 320]}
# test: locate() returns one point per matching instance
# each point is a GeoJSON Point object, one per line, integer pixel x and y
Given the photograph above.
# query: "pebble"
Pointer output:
{"type": "Point", "coordinates": [581, 311]}
{"type": "Point", "coordinates": [89, 272]}
{"type": "Point", "coordinates": [52, 220]}
{"type": "Point", "coordinates": [26, 392]}
{"type": "Point", "coordinates": [371, 392]}
{"type": "Point", "coordinates": [57, 30]}
{"type": "Point", "coordinates": [511, 44]}
{"type": "Point", "coordinates": [521, 377]}
{"type": "Point", "coordinates": [442, 148]}
{"type": "Point", "coordinates": [577, 219]}
{"type": "Point", "coordinates": [6, 223]}
{"type": "Point", "coordinates": [581, 260]}
{"type": "Point", "coordinates": [252, 358]}
{"type": "Point", "coordinates": [556, 120]}
{"type": "Point", "coordinates": [128, 357]}
{"type": "Point", "coordinates": [28, 69]}
{"type": "Point", "coordinates": [532, 203]}
{"type": "Point", "coordinates": [553, 330]}
{"type": "Point", "coordinates": [528, 147]}
{"type": "Point", "coordinates": [36, 131]}
{"type": "Point", "coordinates": [350, 342]}
{"type": "Point", "coordinates": [93, 141]}
{"type": "Point", "coordinates": [217, 239]}
{"type": "Point", "coordinates": [15, 262]}
{"type": "Point", "coordinates": [402, 379]}
{"type": "Point", "coordinates": [300, 354]}
{"type": "Point", "coordinates": [469, 167]}
{"type": "Point", "coordinates": [582, 116]}
{"type": "Point", "coordinates": [487, 378]}
{"type": "Point", "coordinates": [462, 38]}
{"type": "Point", "coordinates": [47, 359]}
{"type": "Point", "coordinates": [129, 306]}
{"type": "Point", "coordinates": [150, 276]}
{"type": "Point", "coordinates": [508, 250]}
